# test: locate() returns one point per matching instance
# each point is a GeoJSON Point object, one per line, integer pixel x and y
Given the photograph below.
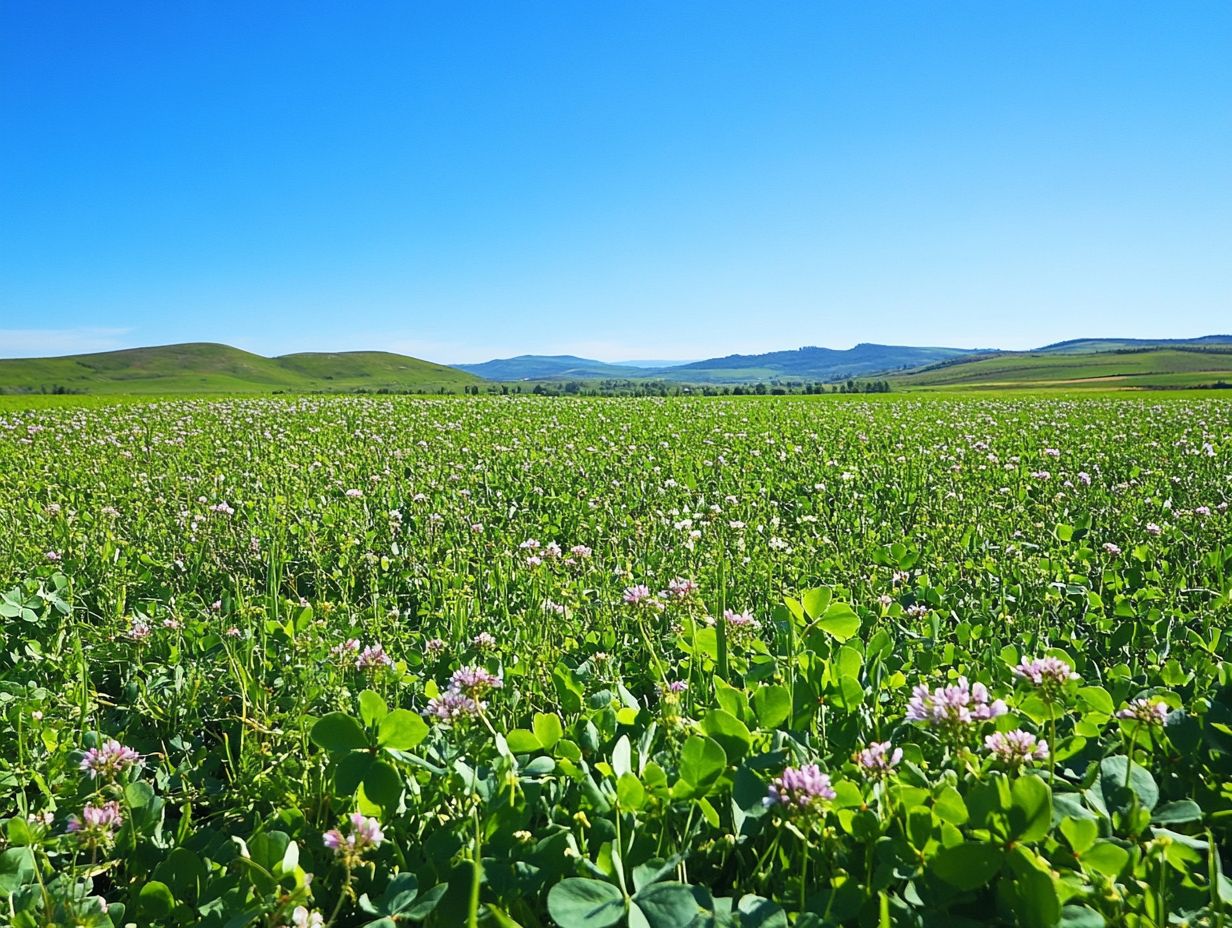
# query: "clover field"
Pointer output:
{"type": "Point", "coordinates": [627, 662]}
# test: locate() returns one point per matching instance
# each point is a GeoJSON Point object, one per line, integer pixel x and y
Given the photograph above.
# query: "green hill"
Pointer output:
{"type": "Point", "coordinates": [1086, 345]}
{"type": "Point", "coordinates": [373, 369]}
{"type": "Point", "coordinates": [1127, 369]}
{"type": "Point", "coordinates": [211, 368]}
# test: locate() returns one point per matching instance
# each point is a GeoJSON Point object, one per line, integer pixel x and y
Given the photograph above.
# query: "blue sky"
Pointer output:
{"type": "Point", "coordinates": [613, 179]}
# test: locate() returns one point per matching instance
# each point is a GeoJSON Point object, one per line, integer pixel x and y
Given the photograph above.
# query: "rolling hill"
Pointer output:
{"type": "Point", "coordinates": [1118, 369]}
{"type": "Point", "coordinates": [212, 368]}
{"type": "Point", "coordinates": [1085, 345]}
{"type": "Point", "coordinates": [1120, 364]}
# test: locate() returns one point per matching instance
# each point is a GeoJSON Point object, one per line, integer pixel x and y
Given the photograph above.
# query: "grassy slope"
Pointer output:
{"type": "Point", "coordinates": [372, 369]}
{"type": "Point", "coordinates": [1084, 345]}
{"type": "Point", "coordinates": [209, 368]}
{"type": "Point", "coordinates": [1151, 368]}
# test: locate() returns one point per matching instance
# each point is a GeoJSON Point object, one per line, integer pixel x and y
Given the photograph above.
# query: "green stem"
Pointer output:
{"type": "Point", "coordinates": [472, 913]}
{"type": "Point", "coordinates": [342, 895]}
{"type": "Point", "coordinates": [804, 862]}
{"type": "Point", "coordinates": [1052, 744]}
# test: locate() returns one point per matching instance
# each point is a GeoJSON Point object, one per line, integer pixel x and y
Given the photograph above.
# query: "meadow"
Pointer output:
{"type": "Point", "coordinates": [653, 663]}
{"type": "Point", "coordinates": [1124, 369]}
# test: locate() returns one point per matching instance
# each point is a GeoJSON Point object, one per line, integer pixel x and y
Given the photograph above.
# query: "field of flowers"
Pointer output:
{"type": "Point", "coordinates": [630, 662]}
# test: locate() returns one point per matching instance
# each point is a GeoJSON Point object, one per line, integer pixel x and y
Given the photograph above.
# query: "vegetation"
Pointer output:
{"type": "Point", "coordinates": [825, 364]}
{"type": "Point", "coordinates": [1123, 369]}
{"type": "Point", "coordinates": [1087, 345]}
{"type": "Point", "coordinates": [509, 661]}
{"type": "Point", "coordinates": [218, 369]}
{"type": "Point", "coordinates": [800, 366]}
{"type": "Point", "coordinates": [667, 388]}
{"type": "Point", "coordinates": [208, 368]}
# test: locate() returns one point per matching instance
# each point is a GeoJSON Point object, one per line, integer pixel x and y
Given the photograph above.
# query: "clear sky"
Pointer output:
{"type": "Point", "coordinates": [463, 180]}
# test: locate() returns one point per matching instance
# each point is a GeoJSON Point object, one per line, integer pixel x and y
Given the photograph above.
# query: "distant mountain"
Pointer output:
{"type": "Point", "coordinates": [547, 367]}
{"type": "Point", "coordinates": [652, 365]}
{"type": "Point", "coordinates": [1082, 345]}
{"type": "Point", "coordinates": [815, 364]}
{"type": "Point", "coordinates": [210, 368]}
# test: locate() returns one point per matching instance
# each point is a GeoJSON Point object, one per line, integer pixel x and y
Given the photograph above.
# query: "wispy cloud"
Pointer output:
{"type": "Point", "coordinates": [40, 343]}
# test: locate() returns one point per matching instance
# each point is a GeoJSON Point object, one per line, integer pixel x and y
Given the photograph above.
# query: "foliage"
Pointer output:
{"type": "Point", "coordinates": [697, 662]}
